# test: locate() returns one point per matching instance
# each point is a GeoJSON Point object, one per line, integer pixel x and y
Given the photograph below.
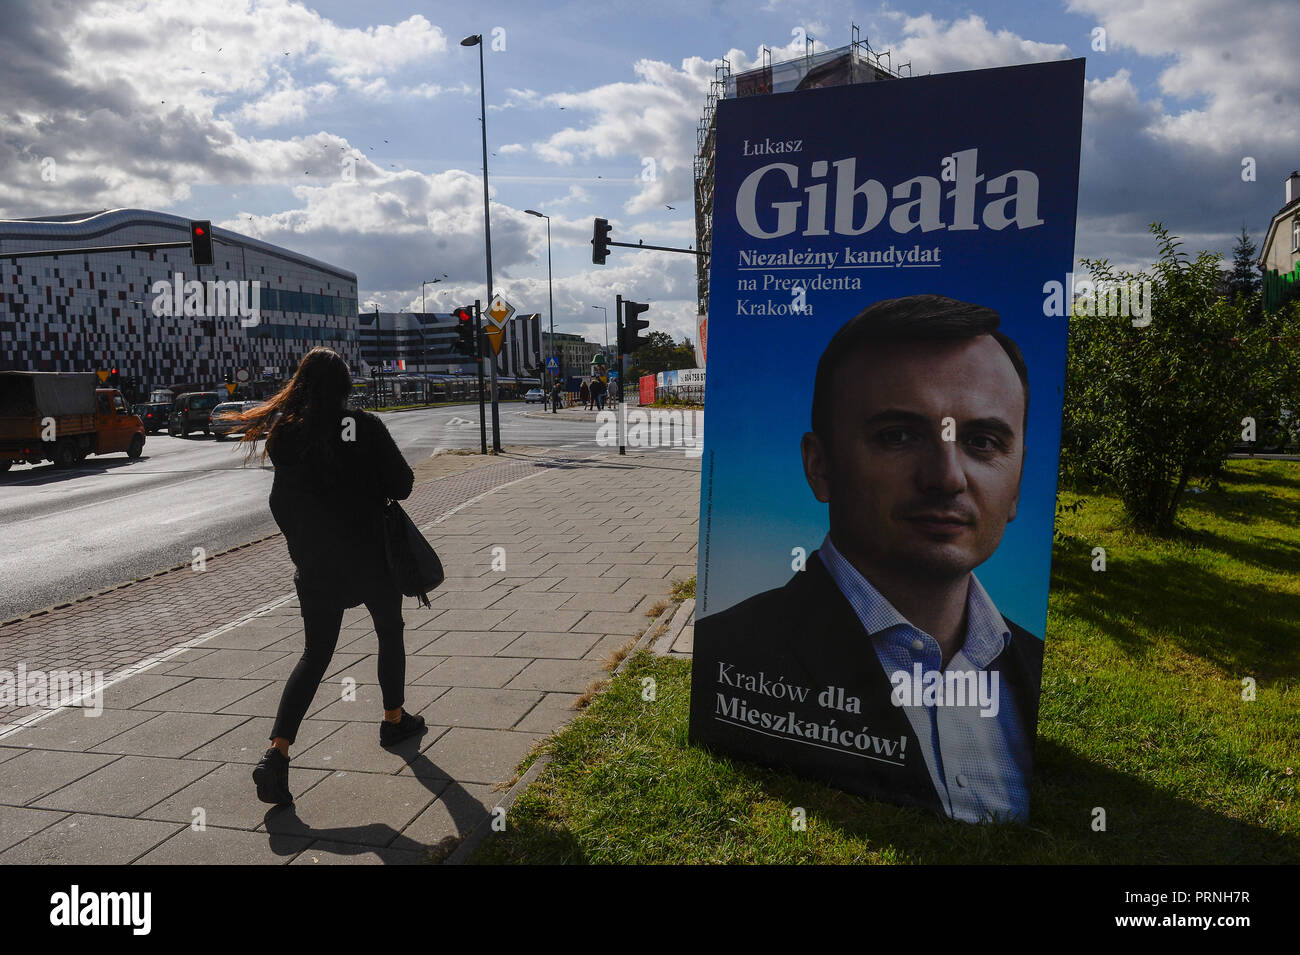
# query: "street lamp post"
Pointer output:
{"type": "Point", "coordinates": [606, 311]}
{"type": "Point", "coordinates": [423, 284]}
{"type": "Point", "coordinates": [550, 291]}
{"type": "Point", "coordinates": [477, 40]}
{"type": "Point", "coordinates": [424, 349]}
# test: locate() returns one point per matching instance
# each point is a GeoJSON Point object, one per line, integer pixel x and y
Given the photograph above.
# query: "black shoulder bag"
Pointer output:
{"type": "Point", "coordinates": [412, 560]}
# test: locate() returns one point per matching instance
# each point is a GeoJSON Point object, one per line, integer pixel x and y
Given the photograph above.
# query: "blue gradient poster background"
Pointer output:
{"type": "Point", "coordinates": [756, 506]}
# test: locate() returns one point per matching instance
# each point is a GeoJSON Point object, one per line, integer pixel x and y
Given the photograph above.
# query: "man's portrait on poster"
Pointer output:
{"type": "Point", "coordinates": [919, 412]}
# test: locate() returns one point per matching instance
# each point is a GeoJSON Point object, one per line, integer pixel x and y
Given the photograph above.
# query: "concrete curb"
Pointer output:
{"type": "Point", "coordinates": [480, 832]}
{"type": "Point", "coordinates": [663, 644]}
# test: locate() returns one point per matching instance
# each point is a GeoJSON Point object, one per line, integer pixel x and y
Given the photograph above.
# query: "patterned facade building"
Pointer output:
{"type": "Point", "coordinates": [426, 342]}
{"type": "Point", "coordinates": [100, 310]}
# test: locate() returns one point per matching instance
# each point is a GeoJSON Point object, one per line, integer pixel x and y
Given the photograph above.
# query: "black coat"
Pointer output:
{"type": "Point", "coordinates": [806, 634]}
{"type": "Point", "coordinates": [329, 504]}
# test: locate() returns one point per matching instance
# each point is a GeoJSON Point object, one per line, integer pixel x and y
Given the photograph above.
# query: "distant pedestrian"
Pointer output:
{"type": "Point", "coordinates": [584, 393]}
{"type": "Point", "coordinates": [556, 397]}
{"type": "Point", "coordinates": [334, 471]}
{"type": "Point", "coordinates": [598, 393]}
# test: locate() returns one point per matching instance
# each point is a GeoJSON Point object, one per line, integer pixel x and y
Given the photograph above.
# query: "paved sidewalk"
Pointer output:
{"type": "Point", "coordinates": [163, 774]}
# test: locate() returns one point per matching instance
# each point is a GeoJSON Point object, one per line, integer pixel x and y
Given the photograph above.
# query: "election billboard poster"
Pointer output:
{"type": "Point", "coordinates": [876, 519]}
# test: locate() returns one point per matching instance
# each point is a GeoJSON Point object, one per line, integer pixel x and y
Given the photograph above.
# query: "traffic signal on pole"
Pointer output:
{"type": "Point", "coordinates": [629, 341]}
{"type": "Point", "coordinates": [600, 242]}
{"type": "Point", "coordinates": [201, 242]}
{"type": "Point", "coordinates": [113, 379]}
{"type": "Point", "coordinates": [465, 344]}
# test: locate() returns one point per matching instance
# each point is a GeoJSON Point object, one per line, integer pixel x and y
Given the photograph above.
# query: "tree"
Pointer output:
{"type": "Point", "coordinates": [1244, 277]}
{"type": "Point", "coordinates": [660, 353]}
{"type": "Point", "coordinates": [1147, 408]}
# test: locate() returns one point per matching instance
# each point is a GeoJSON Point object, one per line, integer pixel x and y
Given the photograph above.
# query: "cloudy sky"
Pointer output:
{"type": "Point", "coordinates": [350, 131]}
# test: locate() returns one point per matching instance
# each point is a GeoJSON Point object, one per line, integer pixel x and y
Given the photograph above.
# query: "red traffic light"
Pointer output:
{"type": "Point", "coordinates": [201, 241]}
{"type": "Point", "coordinates": [465, 343]}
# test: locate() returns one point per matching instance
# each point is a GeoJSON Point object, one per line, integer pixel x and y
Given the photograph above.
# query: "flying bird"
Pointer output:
{"type": "Point", "coordinates": [666, 206]}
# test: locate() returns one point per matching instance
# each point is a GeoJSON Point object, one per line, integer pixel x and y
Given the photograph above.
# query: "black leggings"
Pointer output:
{"type": "Point", "coordinates": [321, 620]}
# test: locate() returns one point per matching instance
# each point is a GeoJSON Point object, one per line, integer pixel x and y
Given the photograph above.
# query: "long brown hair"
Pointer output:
{"type": "Point", "coordinates": [312, 398]}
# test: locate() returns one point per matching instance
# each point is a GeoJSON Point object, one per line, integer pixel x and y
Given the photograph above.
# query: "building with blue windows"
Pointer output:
{"type": "Point", "coordinates": [150, 314]}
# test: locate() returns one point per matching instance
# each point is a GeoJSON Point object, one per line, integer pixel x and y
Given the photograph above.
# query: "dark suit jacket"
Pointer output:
{"type": "Point", "coordinates": [806, 634]}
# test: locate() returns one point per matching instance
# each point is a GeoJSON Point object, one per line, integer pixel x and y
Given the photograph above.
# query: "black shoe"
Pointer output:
{"type": "Point", "coordinates": [272, 778]}
{"type": "Point", "coordinates": [391, 734]}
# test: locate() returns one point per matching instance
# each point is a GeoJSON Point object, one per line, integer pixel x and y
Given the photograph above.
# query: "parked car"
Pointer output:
{"type": "Point", "coordinates": [192, 412]}
{"type": "Point", "coordinates": [223, 423]}
{"type": "Point", "coordinates": [534, 394]}
{"type": "Point", "coordinates": [154, 414]}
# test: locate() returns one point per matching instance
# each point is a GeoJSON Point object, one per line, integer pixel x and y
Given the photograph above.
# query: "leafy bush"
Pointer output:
{"type": "Point", "coordinates": [1148, 408]}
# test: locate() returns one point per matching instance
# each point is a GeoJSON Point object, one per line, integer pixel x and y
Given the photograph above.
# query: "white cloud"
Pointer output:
{"type": "Point", "coordinates": [1233, 65]}
{"type": "Point", "coordinates": [941, 46]}
{"type": "Point", "coordinates": [286, 103]}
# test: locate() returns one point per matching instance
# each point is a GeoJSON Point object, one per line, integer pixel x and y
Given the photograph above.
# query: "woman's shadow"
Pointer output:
{"type": "Point", "coordinates": [287, 830]}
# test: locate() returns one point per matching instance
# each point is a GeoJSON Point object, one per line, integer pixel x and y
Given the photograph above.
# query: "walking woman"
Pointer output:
{"type": "Point", "coordinates": [334, 471]}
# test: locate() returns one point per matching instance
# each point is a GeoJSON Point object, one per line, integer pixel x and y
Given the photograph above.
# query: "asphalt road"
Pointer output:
{"type": "Point", "coordinates": [66, 532]}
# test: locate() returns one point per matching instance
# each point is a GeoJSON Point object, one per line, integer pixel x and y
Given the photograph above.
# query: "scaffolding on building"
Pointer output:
{"type": "Point", "coordinates": [855, 63]}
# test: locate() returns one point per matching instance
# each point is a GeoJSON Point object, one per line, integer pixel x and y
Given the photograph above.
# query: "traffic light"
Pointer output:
{"type": "Point", "coordinates": [629, 341]}
{"type": "Point", "coordinates": [600, 242]}
{"type": "Point", "coordinates": [114, 379]}
{"type": "Point", "coordinates": [465, 344]}
{"type": "Point", "coordinates": [201, 242]}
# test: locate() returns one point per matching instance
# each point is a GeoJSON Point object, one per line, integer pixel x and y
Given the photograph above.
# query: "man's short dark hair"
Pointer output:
{"type": "Point", "coordinates": [916, 318]}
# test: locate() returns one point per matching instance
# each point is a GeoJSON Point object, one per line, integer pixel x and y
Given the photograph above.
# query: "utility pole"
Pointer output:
{"type": "Point", "coordinates": [618, 334]}
{"type": "Point", "coordinates": [478, 347]}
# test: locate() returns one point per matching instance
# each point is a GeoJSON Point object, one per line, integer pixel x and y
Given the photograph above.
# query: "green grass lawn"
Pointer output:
{"type": "Point", "coordinates": [1142, 716]}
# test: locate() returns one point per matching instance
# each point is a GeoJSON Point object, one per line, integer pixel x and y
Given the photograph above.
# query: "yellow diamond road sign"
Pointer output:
{"type": "Point", "coordinates": [499, 311]}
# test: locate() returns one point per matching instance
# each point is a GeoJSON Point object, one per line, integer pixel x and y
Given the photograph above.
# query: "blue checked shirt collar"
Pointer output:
{"type": "Point", "coordinates": [987, 634]}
